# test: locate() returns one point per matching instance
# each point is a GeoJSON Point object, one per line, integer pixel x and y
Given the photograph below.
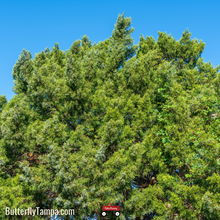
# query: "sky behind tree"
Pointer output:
{"type": "Point", "coordinates": [35, 25]}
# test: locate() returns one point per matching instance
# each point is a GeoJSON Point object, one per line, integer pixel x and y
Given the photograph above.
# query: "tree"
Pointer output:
{"type": "Point", "coordinates": [114, 123]}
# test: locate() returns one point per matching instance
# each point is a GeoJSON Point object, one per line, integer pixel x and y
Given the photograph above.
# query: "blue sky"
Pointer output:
{"type": "Point", "coordinates": [35, 25]}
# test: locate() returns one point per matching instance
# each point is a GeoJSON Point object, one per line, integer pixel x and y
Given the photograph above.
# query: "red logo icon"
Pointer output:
{"type": "Point", "coordinates": [110, 208]}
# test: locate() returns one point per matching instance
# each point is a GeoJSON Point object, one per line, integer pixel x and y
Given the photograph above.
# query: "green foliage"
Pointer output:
{"type": "Point", "coordinates": [132, 125]}
{"type": "Point", "coordinates": [3, 102]}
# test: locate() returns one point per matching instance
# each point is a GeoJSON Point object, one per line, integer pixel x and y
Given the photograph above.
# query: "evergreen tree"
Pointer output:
{"type": "Point", "coordinates": [131, 125]}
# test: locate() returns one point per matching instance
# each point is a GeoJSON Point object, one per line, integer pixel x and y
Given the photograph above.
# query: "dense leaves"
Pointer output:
{"type": "Point", "coordinates": [135, 126]}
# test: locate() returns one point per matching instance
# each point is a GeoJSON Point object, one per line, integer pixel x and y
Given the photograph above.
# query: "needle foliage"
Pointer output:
{"type": "Point", "coordinates": [113, 122]}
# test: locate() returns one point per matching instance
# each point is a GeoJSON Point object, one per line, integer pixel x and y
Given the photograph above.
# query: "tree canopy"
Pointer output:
{"type": "Point", "coordinates": [113, 122]}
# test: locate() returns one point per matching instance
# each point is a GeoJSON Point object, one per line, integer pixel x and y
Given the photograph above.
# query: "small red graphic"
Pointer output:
{"type": "Point", "coordinates": [110, 208]}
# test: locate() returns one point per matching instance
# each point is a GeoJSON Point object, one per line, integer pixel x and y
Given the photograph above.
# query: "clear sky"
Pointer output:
{"type": "Point", "coordinates": [35, 25]}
